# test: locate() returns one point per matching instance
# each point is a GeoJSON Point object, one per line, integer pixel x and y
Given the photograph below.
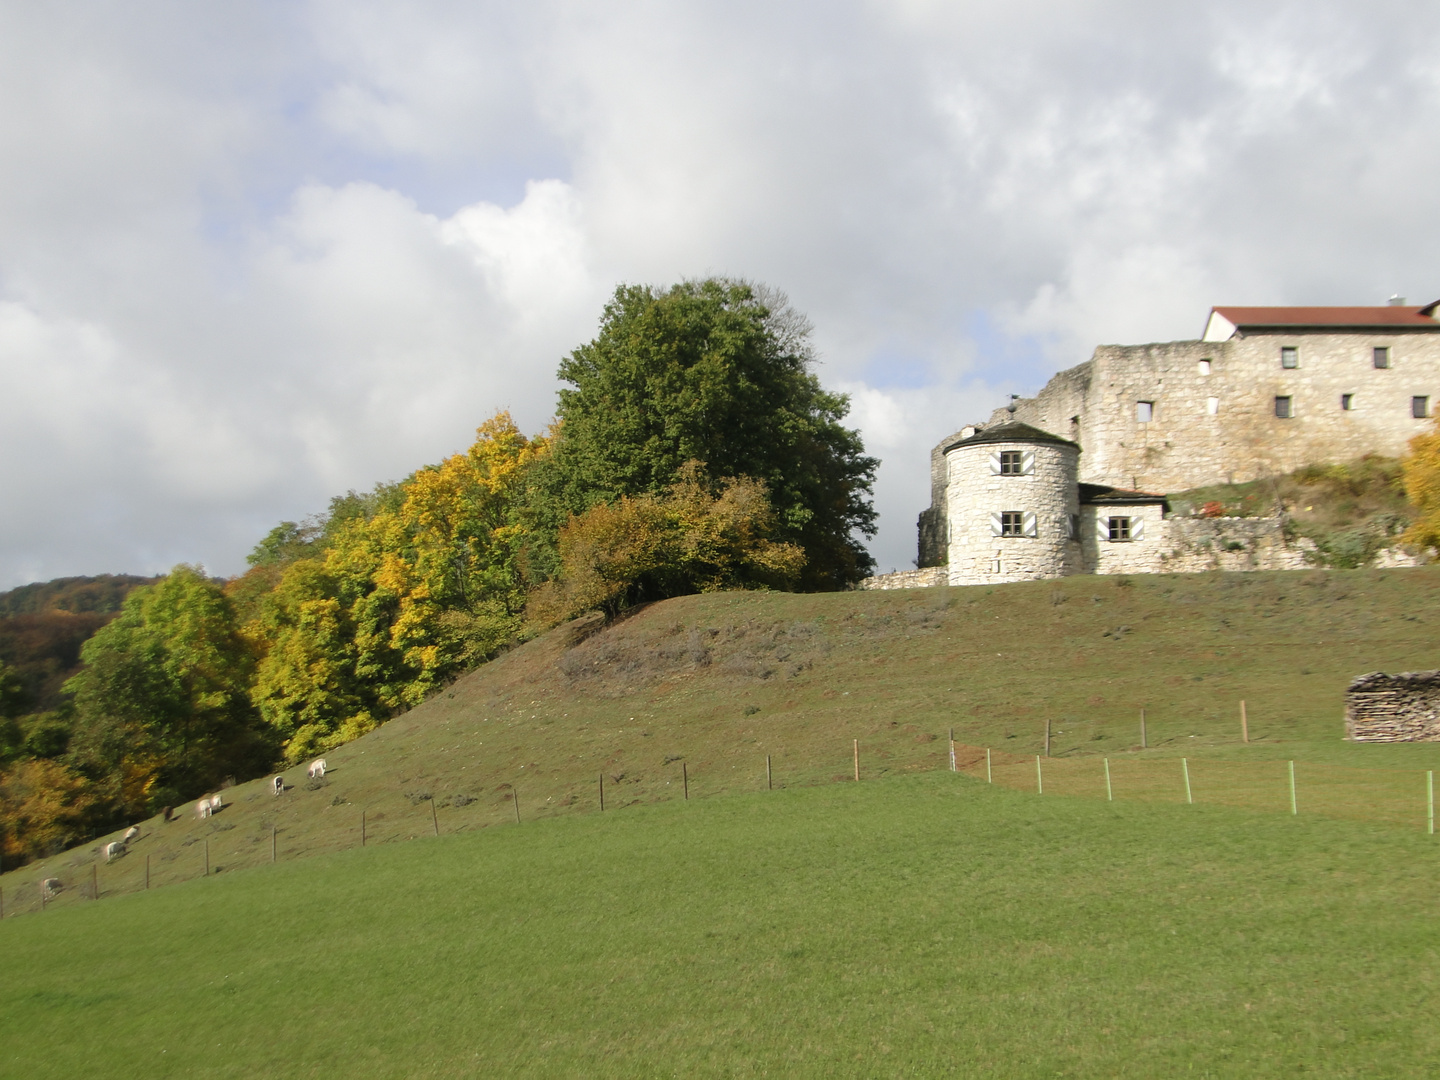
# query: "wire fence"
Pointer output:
{"type": "Point", "coordinates": [1393, 797]}
{"type": "Point", "coordinates": [1396, 797]}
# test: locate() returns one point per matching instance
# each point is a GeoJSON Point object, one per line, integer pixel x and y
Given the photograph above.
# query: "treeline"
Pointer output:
{"type": "Point", "coordinates": [693, 449]}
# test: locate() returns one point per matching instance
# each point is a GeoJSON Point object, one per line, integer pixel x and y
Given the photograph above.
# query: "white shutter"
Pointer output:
{"type": "Point", "coordinates": [1028, 525]}
{"type": "Point", "coordinates": [1027, 465]}
{"type": "Point", "coordinates": [997, 527]}
{"type": "Point", "coordinates": [1137, 528]}
{"type": "Point", "coordinates": [1102, 529]}
{"type": "Point", "coordinates": [995, 464]}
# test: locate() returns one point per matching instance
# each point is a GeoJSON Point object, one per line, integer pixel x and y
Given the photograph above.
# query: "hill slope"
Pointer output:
{"type": "Point", "coordinates": [713, 684]}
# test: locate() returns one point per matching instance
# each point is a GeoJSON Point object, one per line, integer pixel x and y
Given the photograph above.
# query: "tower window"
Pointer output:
{"type": "Point", "coordinates": [1012, 523]}
{"type": "Point", "coordinates": [1204, 367]}
{"type": "Point", "coordinates": [1347, 402]}
{"type": "Point", "coordinates": [1382, 356]}
{"type": "Point", "coordinates": [1285, 408]}
{"type": "Point", "coordinates": [1289, 356]}
{"type": "Point", "coordinates": [1419, 407]}
{"type": "Point", "coordinates": [1212, 406]}
{"type": "Point", "coordinates": [1119, 528]}
{"type": "Point", "coordinates": [1144, 411]}
{"type": "Point", "coordinates": [1011, 463]}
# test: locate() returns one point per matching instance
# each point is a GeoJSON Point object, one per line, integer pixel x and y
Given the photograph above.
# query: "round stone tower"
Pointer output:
{"type": "Point", "coordinates": [1012, 505]}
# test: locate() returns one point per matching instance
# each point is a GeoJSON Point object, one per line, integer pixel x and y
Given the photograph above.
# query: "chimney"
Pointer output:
{"type": "Point", "coordinates": [1397, 301]}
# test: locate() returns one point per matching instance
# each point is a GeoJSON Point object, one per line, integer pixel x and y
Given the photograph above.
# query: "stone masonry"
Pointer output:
{"type": "Point", "coordinates": [1394, 708]}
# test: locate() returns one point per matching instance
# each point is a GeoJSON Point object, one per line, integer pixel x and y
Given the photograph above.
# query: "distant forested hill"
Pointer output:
{"type": "Point", "coordinates": [43, 625]}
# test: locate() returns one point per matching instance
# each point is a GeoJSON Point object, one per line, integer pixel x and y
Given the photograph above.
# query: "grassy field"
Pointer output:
{"type": "Point", "coordinates": [714, 684]}
{"type": "Point", "coordinates": [913, 926]}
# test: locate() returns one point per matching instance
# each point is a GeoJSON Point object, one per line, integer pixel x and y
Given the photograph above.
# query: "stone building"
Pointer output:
{"type": "Point", "coordinates": [1065, 482]}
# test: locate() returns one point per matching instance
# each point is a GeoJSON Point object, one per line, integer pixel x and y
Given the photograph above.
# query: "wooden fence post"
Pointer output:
{"type": "Point", "coordinates": [207, 856]}
{"type": "Point", "coordinates": [1047, 736]}
{"type": "Point", "coordinates": [685, 779]}
{"type": "Point", "coordinates": [44, 899]}
{"type": "Point", "coordinates": [434, 821]}
{"type": "Point", "coordinates": [602, 792]}
{"type": "Point", "coordinates": [272, 843]}
{"type": "Point", "coordinates": [1244, 723]}
{"type": "Point", "coordinates": [1430, 801]}
{"type": "Point", "coordinates": [147, 871]}
{"type": "Point", "coordinates": [515, 794]}
{"type": "Point", "coordinates": [94, 882]}
{"type": "Point", "coordinates": [1185, 768]}
{"type": "Point", "coordinates": [1294, 809]}
{"type": "Point", "coordinates": [769, 786]}
{"type": "Point", "coordinates": [857, 759]}
{"type": "Point", "coordinates": [1109, 793]}
{"type": "Point", "coordinates": [1039, 779]}
{"type": "Point", "coordinates": [362, 828]}
{"type": "Point", "coordinates": [952, 751]}
{"type": "Point", "coordinates": [988, 778]}
{"type": "Point", "coordinates": [1144, 742]}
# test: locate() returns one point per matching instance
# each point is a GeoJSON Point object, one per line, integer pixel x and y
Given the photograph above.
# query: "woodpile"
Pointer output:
{"type": "Point", "coordinates": [1393, 708]}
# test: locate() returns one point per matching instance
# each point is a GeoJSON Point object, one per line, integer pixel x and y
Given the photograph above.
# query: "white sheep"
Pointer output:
{"type": "Point", "coordinates": [216, 802]}
{"type": "Point", "coordinates": [202, 809]}
{"type": "Point", "coordinates": [50, 886]}
{"type": "Point", "coordinates": [130, 834]}
{"type": "Point", "coordinates": [114, 850]}
{"type": "Point", "coordinates": [277, 786]}
{"type": "Point", "coordinates": [317, 769]}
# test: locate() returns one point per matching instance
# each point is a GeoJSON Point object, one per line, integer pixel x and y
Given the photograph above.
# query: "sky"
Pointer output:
{"type": "Point", "coordinates": [256, 255]}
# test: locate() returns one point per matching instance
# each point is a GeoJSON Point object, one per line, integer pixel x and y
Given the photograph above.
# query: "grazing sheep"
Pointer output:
{"type": "Point", "coordinates": [114, 850]}
{"type": "Point", "coordinates": [130, 834]}
{"type": "Point", "coordinates": [202, 809]}
{"type": "Point", "coordinates": [277, 786]}
{"type": "Point", "coordinates": [216, 802]}
{"type": "Point", "coordinates": [317, 769]}
{"type": "Point", "coordinates": [50, 886]}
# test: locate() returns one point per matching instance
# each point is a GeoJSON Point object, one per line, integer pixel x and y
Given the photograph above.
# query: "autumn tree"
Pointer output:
{"type": "Point", "coordinates": [696, 537]}
{"type": "Point", "coordinates": [1420, 471]}
{"type": "Point", "coordinates": [715, 371]}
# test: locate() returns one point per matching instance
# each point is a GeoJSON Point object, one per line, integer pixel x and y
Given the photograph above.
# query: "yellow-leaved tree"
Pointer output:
{"type": "Point", "coordinates": [400, 601]}
{"type": "Point", "coordinates": [1421, 473]}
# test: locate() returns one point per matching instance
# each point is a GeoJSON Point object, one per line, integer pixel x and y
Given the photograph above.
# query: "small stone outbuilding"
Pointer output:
{"type": "Point", "coordinates": [1393, 708]}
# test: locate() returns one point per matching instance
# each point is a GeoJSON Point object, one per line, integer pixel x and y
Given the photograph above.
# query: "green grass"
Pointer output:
{"type": "Point", "coordinates": [917, 926]}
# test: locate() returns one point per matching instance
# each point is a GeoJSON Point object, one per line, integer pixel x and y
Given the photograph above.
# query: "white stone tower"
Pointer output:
{"type": "Point", "coordinates": [1012, 505]}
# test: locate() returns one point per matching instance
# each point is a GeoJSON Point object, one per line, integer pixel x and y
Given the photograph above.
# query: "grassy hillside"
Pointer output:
{"type": "Point", "coordinates": [915, 926]}
{"type": "Point", "coordinates": [713, 684]}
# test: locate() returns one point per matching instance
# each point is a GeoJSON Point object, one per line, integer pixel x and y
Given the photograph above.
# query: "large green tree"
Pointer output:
{"type": "Point", "coordinates": [715, 371]}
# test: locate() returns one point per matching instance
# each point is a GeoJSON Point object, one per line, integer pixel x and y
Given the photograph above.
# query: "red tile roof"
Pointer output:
{"type": "Point", "coordinates": [1355, 317]}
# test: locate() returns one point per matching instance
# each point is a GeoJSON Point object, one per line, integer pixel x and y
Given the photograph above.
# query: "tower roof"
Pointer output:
{"type": "Point", "coordinates": [1009, 431]}
{"type": "Point", "coordinates": [1224, 322]}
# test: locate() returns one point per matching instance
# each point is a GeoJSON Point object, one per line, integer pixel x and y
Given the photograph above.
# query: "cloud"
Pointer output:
{"type": "Point", "coordinates": [252, 257]}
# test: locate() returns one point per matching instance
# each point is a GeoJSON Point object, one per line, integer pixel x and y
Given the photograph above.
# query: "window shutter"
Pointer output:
{"type": "Point", "coordinates": [1028, 525]}
{"type": "Point", "coordinates": [1102, 529]}
{"type": "Point", "coordinates": [1137, 528]}
{"type": "Point", "coordinates": [995, 464]}
{"type": "Point", "coordinates": [1027, 463]}
{"type": "Point", "coordinates": [996, 526]}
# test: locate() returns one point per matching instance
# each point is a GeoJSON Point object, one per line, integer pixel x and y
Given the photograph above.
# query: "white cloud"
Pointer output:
{"type": "Point", "coordinates": [250, 257]}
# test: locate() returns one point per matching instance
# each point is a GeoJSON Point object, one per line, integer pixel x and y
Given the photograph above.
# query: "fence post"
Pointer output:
{"type": "Point", "coordinates": [362, 828]}
{"type": "Point", "coordinates": [685, 779]}
{"type": "Point", "coordinates": [988, 778]}
{"type": "Point", "coordinates": [1430, 801]}
{"type": "Point", "coordinates": [147, 870]}
{"type": "Point", "coordinates": [1109, 794]}
{"type": "Point", "coordinates": [207, 856]}
{"type": "Point", "coordinates": [95, 881]}
{"type": "Point", "coordinates": [515, 794]}
{"type": "Point", "coordinates": [1293, 808]}
{"type": "Point", "coordinates": [857, 760]}
{"type": "Point", "coordinates": [272, 843]}
{"type": "Point", "coordinates": [1185, 768]}
{"type": "Point", "coordinates": [1144, 743]}
{"type": "Point", "coordinates": [1047, 737]}
{"type": "Point", "coordinates": [952, 751]}
{"type": "Point", "coordinates": [602, 792]}
{"type": "Point", "coordinates": [768, 785]}
{"type": "Point", "coordinates": [434, 821]}
{"type": "Point", "coordinates": [43, 898]}
{"type": "Point", "coordinates": [1244, 723]}
{"type": "Point", "coordinates": [1039, 780]}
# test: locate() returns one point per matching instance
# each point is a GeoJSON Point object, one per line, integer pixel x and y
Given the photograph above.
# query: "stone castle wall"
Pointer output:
{"type": "Point", "coordinates": [924, 578]}
{"type": "Point", "coordinates": [974, 493]}
{"type": "Point", "coordinates": [1220, 426]}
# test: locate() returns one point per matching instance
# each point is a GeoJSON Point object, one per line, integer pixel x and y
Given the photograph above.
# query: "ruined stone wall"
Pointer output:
{"type": "Point", "coordinates": [1104, 556]}
{"type": "Point", "coordinates": [974, 493]}
{"type": "Point", "coordinates": [1194, 545]}
{"type": "Point", "coordinates": [924, 578]}
{"type": "Point", "coordinates": [1216, 423]}
{"type": "Point", "coordinates": [1394, 708]}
